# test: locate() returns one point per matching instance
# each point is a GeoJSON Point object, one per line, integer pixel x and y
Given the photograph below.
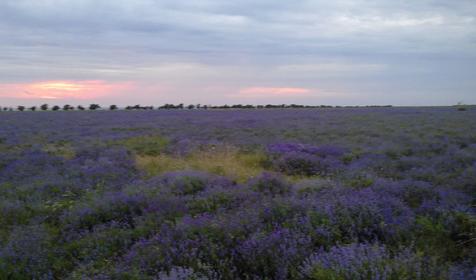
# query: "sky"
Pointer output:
{"type": "Point", "coordinates": [152, 52]}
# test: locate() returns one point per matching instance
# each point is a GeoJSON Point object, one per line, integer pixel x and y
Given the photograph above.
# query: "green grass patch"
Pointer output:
{"type": "Point", "coordinates": [228, 161]}
{"type": "Point", "coordinates": [146, 145]}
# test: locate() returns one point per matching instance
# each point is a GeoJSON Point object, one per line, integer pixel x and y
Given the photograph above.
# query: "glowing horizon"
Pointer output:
{"type": "Point", "coordinates": [64, 89]}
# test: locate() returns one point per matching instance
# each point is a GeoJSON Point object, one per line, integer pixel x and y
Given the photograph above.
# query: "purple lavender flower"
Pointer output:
{"type": "Point", "coordinates": [369, 261]}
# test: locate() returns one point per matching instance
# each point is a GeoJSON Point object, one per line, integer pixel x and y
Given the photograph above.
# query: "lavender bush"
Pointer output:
{"type": "Point", "coordinates": [370, 261]}
{"type": "Point", "coordinates": [335, 193]}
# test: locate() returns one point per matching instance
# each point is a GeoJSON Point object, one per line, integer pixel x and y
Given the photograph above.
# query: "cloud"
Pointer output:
{"type": "Point", "coordinates": [379, 23]}
{"type": "Point", "coordinates": [270, 92]}
{"type": "Point", "coordinates": [331, 68]}
{"type": "Point", "coordinates": [342, 46]}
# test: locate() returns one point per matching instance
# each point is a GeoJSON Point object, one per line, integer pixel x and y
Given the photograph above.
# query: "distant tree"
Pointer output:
{"type": "Point", "coordinates": [44, 107]}
{"type": "Point", "coordinates": [80, 108]}
{"type": "Point", "coordinates": [67, 107]}
{"type": "Point", "coordinates": [113, 107]}
{"type": "Point", "coordinates": [180, 106]}
{"type": "Point", "coordinates": [94, 107]}
{"type": "Point", "coordinates": [167, 106]}
{"type": "Point", "coordinates": [21, 108]}
{"type": "Point", "coordinates": [198, 106]}
{"type": "Point", "coordinates": [33, 108]}
{"type": "Point", "coordinates": [190, 107]}
{"type": "Point", "coordinates": [460, 106]}
{"type": "Point", "coordinates": [55, 108]}
{"type": "Point", "coordinates": [139, 107]}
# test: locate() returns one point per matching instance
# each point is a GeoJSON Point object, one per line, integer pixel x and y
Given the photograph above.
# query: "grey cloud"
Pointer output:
{"type": "Point", "coordinates": [380, 46]}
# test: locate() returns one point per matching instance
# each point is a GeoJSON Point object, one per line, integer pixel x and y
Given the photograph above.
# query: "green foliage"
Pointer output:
{"type": "Point", "coordinates": [189, 185]}
{"type": "Point", "coordinates": [210, 204]}
{"type": "Point", "coordinates": [60, 148]}
{"type": "Point", "coordinates": [320, 273]}
{"type": "Point", "coordinates": [458, 236]}
{"type": "Point", "coordinates": [318, 218]}
{"type": "Point", "coordinates": [102, 244]}
{"type": "Point", "coordinates": [361, 181]}
{"type": "Point", "coordinates": [151, 145]}
{"type": "Point", "coordinates": [354, 155]}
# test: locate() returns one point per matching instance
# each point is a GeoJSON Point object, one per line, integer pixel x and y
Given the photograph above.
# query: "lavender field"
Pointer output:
{"type": "Point", "coordinates": [327, 193]}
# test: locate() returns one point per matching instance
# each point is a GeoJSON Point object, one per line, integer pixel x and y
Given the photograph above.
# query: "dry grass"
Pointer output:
{"type": "Point", "coordinates": [227, 161]}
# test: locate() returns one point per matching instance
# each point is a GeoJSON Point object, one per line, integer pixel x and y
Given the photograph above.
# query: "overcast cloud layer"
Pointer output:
{"type": "Point", "coordinates": [217, 52]}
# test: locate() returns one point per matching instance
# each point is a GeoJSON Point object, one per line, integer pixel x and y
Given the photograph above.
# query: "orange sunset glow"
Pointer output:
{"type": "Point", "coordinates": [64, 89]}
{"type": "Point", "coordinates": [62, 86]}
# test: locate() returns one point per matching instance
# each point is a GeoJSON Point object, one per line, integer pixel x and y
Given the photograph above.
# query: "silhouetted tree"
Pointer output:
{"type": "Point", "coordinates": [113, 107]}
{"type": "Point", "coordinates": [44, 107]}
{"type": "Point", "coordinates": [33, 108]}
{"type": "Point", "coordinates": [55, 108]}
{"type": "Point", "coordinates": [190, 107]}
{"type": "Point", "coordinates": [21, 108]}
{"type": "Point", "coordinates": [68, 107]}
{"type": "Point", "coordinates": [167, 106]}
{"type": "Point", "coordinates": [80, 108]}
{"type": "Point", "coordinates": [94, 107]}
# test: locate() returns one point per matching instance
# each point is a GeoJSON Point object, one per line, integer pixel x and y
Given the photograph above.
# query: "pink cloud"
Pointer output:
{"type": "Point", "coordinates": [64, 89]}
{"type": "Point", "coordinates": [273, 92]}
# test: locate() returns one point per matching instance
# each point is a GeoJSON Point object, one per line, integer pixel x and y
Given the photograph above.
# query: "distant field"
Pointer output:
{"type": "Point", "coordinates": [329, 193]}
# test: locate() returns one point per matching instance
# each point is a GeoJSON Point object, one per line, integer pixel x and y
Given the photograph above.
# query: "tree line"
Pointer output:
{"type": "Point", "coordinates": [181, 106]}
